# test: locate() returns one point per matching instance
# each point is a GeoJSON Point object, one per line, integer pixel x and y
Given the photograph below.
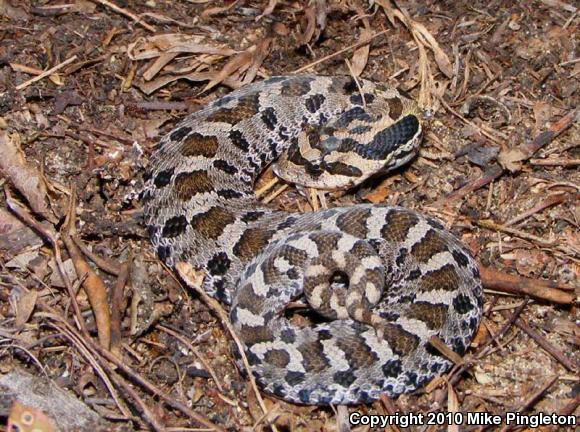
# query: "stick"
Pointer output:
{"type": "Point", "coordinates": [543, 290]}
{"type": "Point", "coordinates": [515, 232]}
{"type": "Point", "coordinates": [126, 13]}
{"type": "Point", "coordinates": [46, 73]}
{"type": "Point", "coordinates": [546, 345]}
{"type": "Point", "coordinates": [339, 52]}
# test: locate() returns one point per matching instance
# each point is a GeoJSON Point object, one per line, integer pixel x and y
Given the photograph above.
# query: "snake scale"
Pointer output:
{"type": "Point", "coordinates": [382, 280]}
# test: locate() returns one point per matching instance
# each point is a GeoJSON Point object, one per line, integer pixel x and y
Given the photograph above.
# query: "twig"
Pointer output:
{"type": "Point", "coordinates": [546, 345]}
{"type": "Point", "coordinates": [127, 13]}
{"type": "Point", "coordinates": [481, 352]}
{"type": "Point", "coordinates": [568, 409]}
{"type": "Point", "coordinates": [390, 408]}
{"type": "Point", "coordinates": [518, 233]}
{"type": "Point", "coordinates": [490, 174]}
{"type": "Point", "coordinates": [79, 342]}
{"type": "Point", "coordinates": [521, 153]}
{"type": "Point", "coordinates": [339, 52]}
{"type": "Point", "coordinates": [543, 290]}
{"type": "Point", "coordinates": [483, 129]}
{"type": "Point", "coordinates": [510, 159]}
{"type": "Point", "coordinates": [143, 382]}
{"type": "Point", "coordinates": [555, 162]}
{"type": "Point", "coordinates": [192, 279]}
{"type": "Point", "coordinates": [51, 237]}
{"type": "Point", "coordinates": [274, 194]}
{"type": "Point", "coordinates": [532, 400]}
{"type": "Point", "coordinates": [194, 350]}
{"type": "Point", "coordinates": [261, 191]}
{"type": "Point", "coordinates": [550, 201]}
{"type": "Point", "coordinates": [46, 73]}
{"type": "Point", "coordinates": [86, 352]}
{"type": "Point", "coordinates": [440, 346]}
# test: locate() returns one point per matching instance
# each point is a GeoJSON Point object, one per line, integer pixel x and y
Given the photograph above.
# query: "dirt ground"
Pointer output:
{"type": "Point", "coordinates": [498, 83]}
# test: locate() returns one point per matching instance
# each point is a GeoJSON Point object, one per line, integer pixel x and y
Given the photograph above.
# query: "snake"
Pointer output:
{"type": "Point", "coordinates": [336, 306]}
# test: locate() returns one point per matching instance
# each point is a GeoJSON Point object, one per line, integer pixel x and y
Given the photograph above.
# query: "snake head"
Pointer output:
{"type": "Point", "coordinates": [344, 154]}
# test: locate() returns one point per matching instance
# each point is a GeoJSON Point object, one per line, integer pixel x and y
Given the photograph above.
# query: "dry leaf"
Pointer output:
{"type": "Point", "coordinates": [361, 55]}
{"type": "Point", "coordinates": [440, 56]}
{"type": "Point", "coordinates": [510, 159]}
{"type": "Point", "coordinates": [542, 113]}
{"type": "Point", "coordinates": [452, 407]}
{"type": "Point", "coordinates": [14, 235]}
{"type": "Point", "coordinates": [12, 13]}
{"type": "Point", "coordinates": [481, 377]}
{"type": "Point", "coordinates": [159, 63]}
{"type": "Point", "coordinates": [310, 15]}
{"type": "Point", "coordinates": [84, 6]}
{"type": "Point", "coordinates": [154, 46]}
{"type": "Point", "coordinates": [239, 62]}
{"type": "Point", "coordinates": [24, 307]}
{"type": "Point", "coordinates": [261, 52]}
{"type": "Point", "coordinates": [25, 178]}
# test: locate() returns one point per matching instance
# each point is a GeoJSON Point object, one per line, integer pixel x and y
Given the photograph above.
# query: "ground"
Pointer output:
{"type": "Point", "coordinates": [498, 84]}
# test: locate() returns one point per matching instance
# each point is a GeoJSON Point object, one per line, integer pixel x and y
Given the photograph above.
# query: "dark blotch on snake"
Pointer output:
{"type": "Point", "coordinates": [219, 264]}
{"type": "Point", "coordinates": [462, 304]}
{"type": "Point", "coordinates": [392, 368]}
{"type": "Point", "coordinates": [179, 134]}
{"type": "Point", "coordinates": [174, 226]}
{"type": "Point", "coordinates": [163, 178]}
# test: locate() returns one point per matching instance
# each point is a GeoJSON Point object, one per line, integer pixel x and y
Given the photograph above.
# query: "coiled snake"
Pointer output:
{"type": "Point", "coordinates": [382, 280]}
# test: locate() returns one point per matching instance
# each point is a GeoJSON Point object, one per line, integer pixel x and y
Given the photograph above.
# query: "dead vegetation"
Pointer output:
{"type": "Point", "coordinates": [88, 87]}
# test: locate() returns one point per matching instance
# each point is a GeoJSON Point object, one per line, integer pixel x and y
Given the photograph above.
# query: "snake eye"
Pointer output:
{"type": "Point", "coordinates": [329, 144]}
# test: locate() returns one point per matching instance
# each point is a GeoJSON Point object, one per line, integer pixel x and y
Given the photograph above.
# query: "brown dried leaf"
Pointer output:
{"type": "Point", "coordinates": [528, 261]}
{"type": "Point", "coordinates": [382, 191]}
{"type": "Point", "coordinates": [24, 307]}
{"type": "Point", "coordinates": [452, 407]}
{"type": "Point", "coordinates": [261, 52]}
{"type": "Point", "coordinates": [440, 56]}
{"type": "Point", "coordinates": [389, 11]}
{"type": "Point", "coordinates": [361, 55]}
{"type": "Point", "coordinates": [154, 46]}
{"type": "Point", "coordinates": [542, 113]}
{"type": "Point", "coordinates": [310, 15]}
{"type": "Point", "coordinates": [14, 235]}
{"type": "Point", "coordinates": [84, 6]}
{"type": "Point", "coordinates": [11, 12]}
{"type": "Point", "coordinates": [238, 63]}
{"type": "Point", "coordinates": [510, 159]}
{"type": "Point", "coordinates": [159, 63]}
{"type": "Point", "coordinates": [25, 178]}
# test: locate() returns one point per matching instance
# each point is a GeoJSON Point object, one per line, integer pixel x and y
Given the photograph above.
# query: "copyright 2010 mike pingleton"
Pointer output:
{"type": "Point", "coordinates": [462, 419]}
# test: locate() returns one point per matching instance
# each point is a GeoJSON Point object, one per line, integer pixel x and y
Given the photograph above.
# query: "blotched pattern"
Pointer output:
{"type": "Point", "coordinates": [383, 279]}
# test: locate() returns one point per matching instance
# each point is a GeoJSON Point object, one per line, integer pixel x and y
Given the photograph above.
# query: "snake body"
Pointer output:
{"type": "Point", "coordinates": [382, 280]}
